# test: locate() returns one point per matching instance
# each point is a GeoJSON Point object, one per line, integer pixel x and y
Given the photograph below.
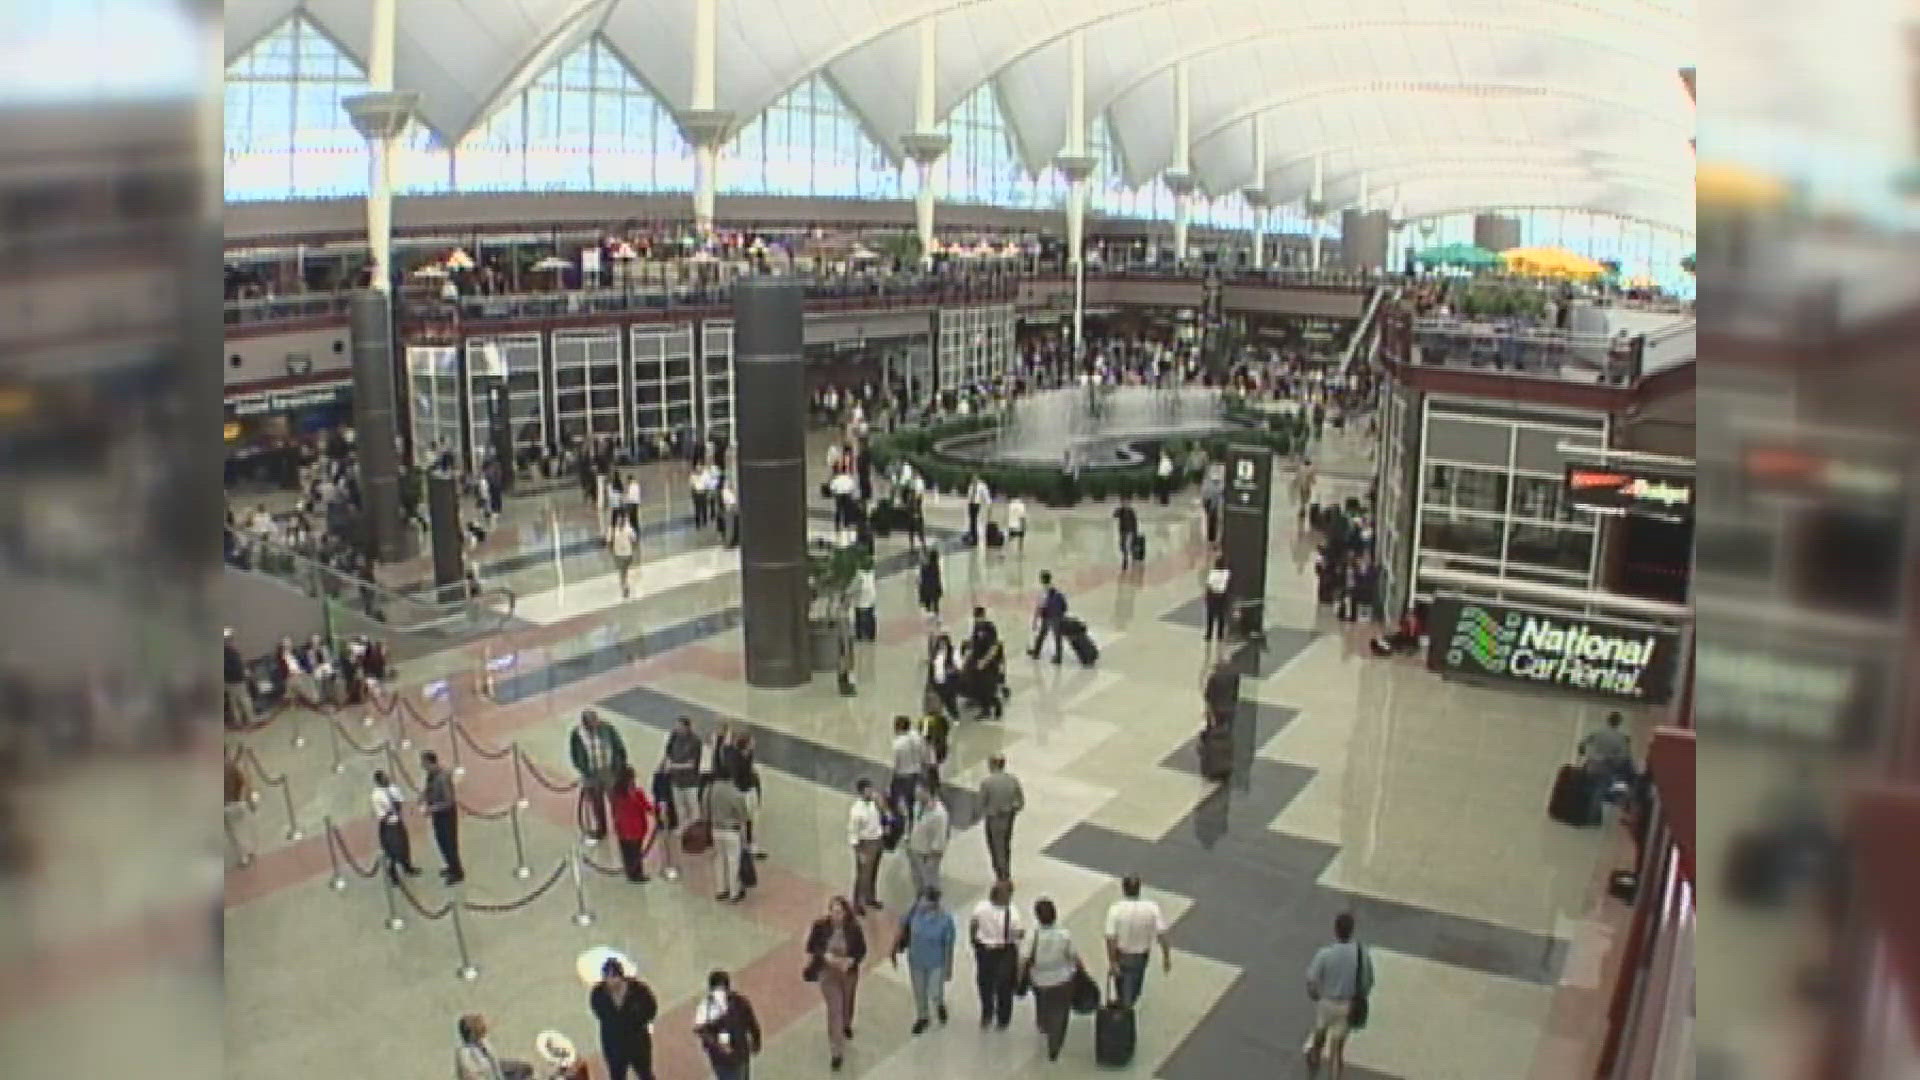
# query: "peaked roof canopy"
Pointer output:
{"type": "Point", "coordinates": [1442, 105]}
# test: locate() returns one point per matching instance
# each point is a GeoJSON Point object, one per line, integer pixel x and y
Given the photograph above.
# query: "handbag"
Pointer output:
{"type": "Point", "coordinates": [749, 874]}
{"type": "Point", "coordinates": [811, 973]}
{"type": "Point", "coordinates": [1360, 1007]}
{"type": "Point", "coordinates": [1086, 992]}
{"type": "Point", "coordinates": [697, 838]}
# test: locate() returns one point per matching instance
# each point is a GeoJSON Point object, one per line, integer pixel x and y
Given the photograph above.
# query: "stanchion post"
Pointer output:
{"type": "Point", "coordinates": [286, 796]}
{"type": "Point", "coordinates": [333, 741]}
{"type": "Point", "coordinates": [519, 779]}
{"type": "Point", "coordinates": [400, 736]}
{"type": "Point", "coordinates": [520, 868]}
{"type": "Point", "coordinates": [581, 916]}
{"type": "Point", "coordinates": [467, 971]}
{"type": "Point", "coordinates": [338, 882]}
{"type": "Point", "coordinates": [453, 747]}
{"type": "Point", "coordinates": [299, 733]}
{"type": "Point", "coordinates": [394, 921]}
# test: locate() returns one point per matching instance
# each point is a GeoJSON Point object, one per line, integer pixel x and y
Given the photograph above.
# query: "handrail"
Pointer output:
{"type": "Point", "coordinates": [1362, 328]}
{"type": "Point", "coordinates": [312, 577]}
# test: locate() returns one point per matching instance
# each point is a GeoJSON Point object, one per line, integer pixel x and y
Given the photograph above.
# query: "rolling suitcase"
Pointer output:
{"type": "Point", "coordinates": [1571, 802]}
{"type": "Point", "coordinates": [995, 537]}
{"type": "Point", "coordinates": [1080, 641]}
{"type": "Point", "coordinates": [1114, 1034]}
{"type": "Point", "coordinates": [1216, 752]}
{"type": "Point", "coordinates": [1139, 547]}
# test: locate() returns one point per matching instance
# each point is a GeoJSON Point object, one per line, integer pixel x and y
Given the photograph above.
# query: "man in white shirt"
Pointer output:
{"type": "Point", "coordinates": [1017, 521]}
{"type": "Point", "coordinates": [866, 595]}
{"type": "Point", "coordinates": [1133, 926]}
{"type": "Point", "coordinates": [910, 761]}
{"type": "Point", "coordinates": [1216, 598]}
{"type": "Point", "coordinates": [977, 498]}
{"type": "Point", "coordinates": [697, 490]}
{"type": "Point", "coordinates": [843, 487]}
{"type": "Point", "coordinates": [927, 842]}
{"type": "Point", "coordinates": [864, 830]}
{"type": "Point", "coordinates": [620, 543]}
{"type": "Point", "coordinates": [996, 929]}
{"type": "Point", "coordinates": [729, 515]}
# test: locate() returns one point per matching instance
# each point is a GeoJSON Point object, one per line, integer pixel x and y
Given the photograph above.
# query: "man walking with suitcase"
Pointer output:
{"type": "Point", "coordinates": [1134, 926]}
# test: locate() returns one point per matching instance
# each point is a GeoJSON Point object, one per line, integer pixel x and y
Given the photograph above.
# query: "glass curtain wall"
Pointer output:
{"type": "Point", "coordinates": [586, 124]}
{"type": "Point", "coordinates": [983, 165]}
{"type": "Point", "coordinates": [286, 134]}
{"type": "Point", "coordinates": [809, 143]}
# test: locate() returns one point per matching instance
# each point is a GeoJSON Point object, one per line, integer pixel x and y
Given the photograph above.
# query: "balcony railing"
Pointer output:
{"type": "Point", "coordinates": [283, 308]}
{"type": "Point", "coordinates": [1511, 348]}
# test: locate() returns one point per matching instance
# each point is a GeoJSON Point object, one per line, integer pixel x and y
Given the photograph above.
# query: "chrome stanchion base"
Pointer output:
{"type": "Point", "coordinates": [523, 802]}
{"type": "Point", "coordinates": [338, 884]}
{"type": "Point", "coordinates": [299, 741]}
{"type": "Point", "coordinates": [294, 834]}
{"type": "Point", "coordinates": [406, 743]}
{"type": "Point", "coordinates": [468, 973]}
{"type": "Point", "coordinates": [245, 861]}
{"type": "Point", "coordinates": [459, 771]}
{"type": "Point", "coordinates": [523, 872]}
{"type": "Point", "coordinates": [671, 873]}
{"type": "Point", "coordinates": [583, 918]}
{"type": "Point", "coordinates": [366, 721]}
{"type": "Point", "coordinates": [396, 923]}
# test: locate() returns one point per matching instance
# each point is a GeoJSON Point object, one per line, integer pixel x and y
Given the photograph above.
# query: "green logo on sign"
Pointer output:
{"type": "Point", "coordinates": [1478, 634]}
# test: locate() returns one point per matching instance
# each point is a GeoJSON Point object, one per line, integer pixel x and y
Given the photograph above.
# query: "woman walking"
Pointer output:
{"type": "Point", "coordinates": [835, 947]}
{"type": "Point", "coordinates": [1051, 963]}
{"type": "Point", "coordinates": [930, 586]}
{"type": "Point", "coordinates": [926, 936]}
{"type": "Point", "coordinates": [632, 822]}
{"type": "Point", "coordinates": [943, 675]}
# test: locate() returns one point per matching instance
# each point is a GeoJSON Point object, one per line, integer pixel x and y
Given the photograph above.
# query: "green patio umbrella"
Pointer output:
{"type": "Point", "coordinates": [1466, 255]}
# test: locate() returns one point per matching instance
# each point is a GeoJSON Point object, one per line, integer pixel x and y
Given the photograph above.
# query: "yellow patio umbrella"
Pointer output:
{"type": "Point", "coordinates": [1720, 184]}
{"type": "Point", "coordinates": [1550, 262]}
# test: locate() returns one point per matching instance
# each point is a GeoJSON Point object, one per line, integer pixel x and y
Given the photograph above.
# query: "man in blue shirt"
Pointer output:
{"type": "Point", "coordinates": [1338, 974]}
{"type": "Point", "coordinates": [1047, 616]}
{"type": "Point", "coordinates": [926, 935]}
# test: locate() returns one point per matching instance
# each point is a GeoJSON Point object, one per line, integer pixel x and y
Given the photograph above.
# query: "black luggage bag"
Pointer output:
{"type": "Point", "coordinates": [1114, 1034]}
{"type": "Point", "coordinates": [1572, 802]}
{"type": "Point", "coordinates": [995, 537]}
{"type": "Point", "coordinates": [1139, 543]}
{"type": "Point", "coordinates": [1082, 644]}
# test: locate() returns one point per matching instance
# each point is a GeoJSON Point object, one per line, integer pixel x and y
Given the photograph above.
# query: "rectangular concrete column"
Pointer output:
{"type": "Point", "coordinates": [1363, 239]}
{"type": "Point", "coordinates": [369, 328]}
{"type": "Point", "coordinates": [770, 403]}
{"type": "Point", "coordinates": [1496, 232]}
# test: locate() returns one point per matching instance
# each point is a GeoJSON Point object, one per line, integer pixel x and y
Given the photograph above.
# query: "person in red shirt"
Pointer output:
{"type": "Point", "coordinates": [632, 822]}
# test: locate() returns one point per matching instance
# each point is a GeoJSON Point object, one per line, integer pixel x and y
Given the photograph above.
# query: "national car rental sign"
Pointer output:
{"type": "Point", "coordinates": [1475, 639]}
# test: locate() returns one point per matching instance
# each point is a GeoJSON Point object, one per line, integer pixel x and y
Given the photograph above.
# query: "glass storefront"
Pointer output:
{"type": "Point", "coordinates": [1491, 494]}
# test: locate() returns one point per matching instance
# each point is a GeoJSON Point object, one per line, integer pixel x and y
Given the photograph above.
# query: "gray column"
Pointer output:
{"type": "Point", "coordinates": [370, 322]}
{"type": "Point", "coordinates": [769, 409]}
{"type": "Point", "coordinates": [1496, 232]}
{"type": "Point", "coordinates": [1243, 533]}
{"type": "Point", "coordinates": [449, 541]}
{"type": "Point", "coordinates": [1363, 239]}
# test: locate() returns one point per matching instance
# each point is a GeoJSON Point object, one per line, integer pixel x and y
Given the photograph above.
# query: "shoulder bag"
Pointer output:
{"type": "Point", "coordinates": [1361, 1007]}
{"type": "Point", "coordinates": [697, 837]}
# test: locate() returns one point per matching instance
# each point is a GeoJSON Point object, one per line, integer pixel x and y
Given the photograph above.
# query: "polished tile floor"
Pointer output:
{"type": "Point", "coordinates": [1361, 785]}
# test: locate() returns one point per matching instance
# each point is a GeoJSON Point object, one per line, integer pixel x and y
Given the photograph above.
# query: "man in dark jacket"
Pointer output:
{"type": "Point", "coordinates": [239, 711]}
{"type": "Point", "coordinates": [626, 1008]}
{"type": "Point", "coordinates": [598, 755]}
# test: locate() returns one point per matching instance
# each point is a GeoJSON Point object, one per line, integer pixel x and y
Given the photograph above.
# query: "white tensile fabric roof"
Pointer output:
{"type": "Point", "coordinates": [1444, 105]}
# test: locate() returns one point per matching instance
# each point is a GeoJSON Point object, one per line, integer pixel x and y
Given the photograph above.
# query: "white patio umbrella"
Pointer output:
{"type": "Point", "coordinates": [431, 270]}
{"type": "Point", "coordinates": [552, 262]}
{"type": "Point", "coordinates": [458, 259]}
